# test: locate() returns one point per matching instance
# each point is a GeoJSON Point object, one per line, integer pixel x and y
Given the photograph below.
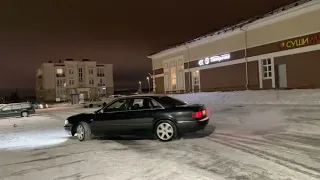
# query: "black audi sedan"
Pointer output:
{"type": "Point", "coordinates": [163, 116]}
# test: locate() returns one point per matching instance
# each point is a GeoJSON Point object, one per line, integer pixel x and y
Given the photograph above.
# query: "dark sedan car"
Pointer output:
{"type": "Point", "coordinates": [163, 116]}
{"type": "Point", "coordinates": [16, 109]}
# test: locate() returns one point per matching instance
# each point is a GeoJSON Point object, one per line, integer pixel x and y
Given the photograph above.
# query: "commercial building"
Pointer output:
{"type": "Point", "coordinates": [73, 80]}
{"type": "Point", "coordinates": [278, 50]}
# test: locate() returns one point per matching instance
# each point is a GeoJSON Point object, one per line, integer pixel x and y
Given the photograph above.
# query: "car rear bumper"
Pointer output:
{"type": "Point", "coordinates": [192, 126]}
{"type": "Point", "coordinates": [67, 129]}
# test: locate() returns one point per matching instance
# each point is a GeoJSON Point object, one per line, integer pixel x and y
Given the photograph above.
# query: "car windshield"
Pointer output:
{"type": "Point", "coordinates": [168, 102]}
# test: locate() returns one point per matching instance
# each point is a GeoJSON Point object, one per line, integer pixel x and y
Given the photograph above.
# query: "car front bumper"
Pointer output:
{"type": "Point", "coordinates": [192, 126]}
{"type": "Point", "coordinates": [68, 128]}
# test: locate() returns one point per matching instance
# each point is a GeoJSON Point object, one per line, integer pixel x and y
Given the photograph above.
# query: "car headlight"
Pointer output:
{"type": "Point", "coordinates": [66, 122]}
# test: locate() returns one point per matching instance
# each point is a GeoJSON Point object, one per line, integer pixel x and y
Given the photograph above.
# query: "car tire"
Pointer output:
{"type": "Point", "coordinates": [90, 105]}
{"type": "Point", "coordinates": [83, 131]}
{"type": "Point", "coordinates": [165, 130]}
{"type": "Point", "coordinates": [24, 114]}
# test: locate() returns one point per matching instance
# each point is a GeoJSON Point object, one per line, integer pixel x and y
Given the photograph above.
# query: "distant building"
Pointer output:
{"type": "Point", "coordinates": [69, 79]}
{"type": "Point", "coordinates": [279, 50]}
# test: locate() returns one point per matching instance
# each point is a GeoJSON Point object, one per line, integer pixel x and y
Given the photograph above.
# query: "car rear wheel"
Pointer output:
{"type": "Point", "coordinates": [165, 130]}
{"type": "Point", "coordinates": [83, 131]}
{"type": "Point", "coordinates": [24, 114]}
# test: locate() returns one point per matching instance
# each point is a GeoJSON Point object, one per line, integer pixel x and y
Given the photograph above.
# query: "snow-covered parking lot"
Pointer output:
{"type": "Point", "coordinates": [241, 142]}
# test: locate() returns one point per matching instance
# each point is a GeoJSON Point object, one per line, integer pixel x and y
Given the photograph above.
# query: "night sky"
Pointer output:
{"type": "Point", "coordinates": [122, 33]}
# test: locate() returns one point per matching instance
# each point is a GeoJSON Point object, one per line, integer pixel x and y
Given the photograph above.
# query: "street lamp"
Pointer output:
{"type": "Point", "coordinates": [150, 75]}
{"type": "Point", "coordinates": [148, 83]}
{"type": "Point", "coordinates": [139, 86]}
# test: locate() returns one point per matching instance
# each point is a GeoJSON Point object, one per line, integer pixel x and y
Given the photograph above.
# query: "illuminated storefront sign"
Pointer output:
{"type": "Point", "coordinates": [212, 59]}
{"type": "Point", "coordinates": [299, 42]}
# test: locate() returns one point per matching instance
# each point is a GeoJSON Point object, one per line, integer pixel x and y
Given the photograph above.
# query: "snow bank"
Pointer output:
{"type": "Point", "coordinates": [291, 97]}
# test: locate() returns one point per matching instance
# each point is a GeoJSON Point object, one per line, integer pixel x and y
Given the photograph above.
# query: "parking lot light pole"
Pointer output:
{"type": "Point", "coordinates": [148, 83]}
{"type": "Point", "coordinates": [140, 87]}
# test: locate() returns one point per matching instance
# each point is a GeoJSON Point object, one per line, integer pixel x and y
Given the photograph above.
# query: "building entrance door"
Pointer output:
{"type": "Point", "coordinates": [195, 81]}
{"type": "Point", "coordinates": [282, 76]}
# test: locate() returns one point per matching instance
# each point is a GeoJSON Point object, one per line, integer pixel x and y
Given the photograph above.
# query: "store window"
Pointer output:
{"type": "Point", "coordinates": [266, 69]}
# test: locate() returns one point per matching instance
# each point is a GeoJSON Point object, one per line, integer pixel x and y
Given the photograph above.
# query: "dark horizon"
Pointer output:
{"type": "Point", "coordinates": [34, 32]}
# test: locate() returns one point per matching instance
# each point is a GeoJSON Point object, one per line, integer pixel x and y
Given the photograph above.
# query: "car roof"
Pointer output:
{"type": "Point", "coordinates": [145, 96]}
{"type": "Point", "coordinates": [14, 103]}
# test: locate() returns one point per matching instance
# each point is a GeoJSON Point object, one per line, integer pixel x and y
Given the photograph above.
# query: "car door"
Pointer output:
{"type": "Point", "coordinates": [111, 118]}
{"type": "Point", "coordinates": [16, 109]}
{"type": "Point", "coordinates": [139, 115]}
{"type": "Point", "coordinates": [6, 111]}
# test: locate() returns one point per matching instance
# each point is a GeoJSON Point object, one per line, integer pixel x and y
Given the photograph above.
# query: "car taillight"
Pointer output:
{"type": "Point", "coordinates": [199, 114]}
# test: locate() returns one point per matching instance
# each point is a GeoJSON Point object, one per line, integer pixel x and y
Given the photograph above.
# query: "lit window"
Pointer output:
{"type": "Point", "coordinates": [266, 69]}
{"type": "Point", "coordinates": [39, 72]}
{"type": "Point", "coordinates": [59, 71]}
{"type": "Point", "coordinates": [173, 78]}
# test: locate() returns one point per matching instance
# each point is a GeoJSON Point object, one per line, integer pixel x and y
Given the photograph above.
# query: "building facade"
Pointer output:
{"type": "Point", "coordinates": [278, 51]}
{"type": "Point", "coordinates": [63, 80]}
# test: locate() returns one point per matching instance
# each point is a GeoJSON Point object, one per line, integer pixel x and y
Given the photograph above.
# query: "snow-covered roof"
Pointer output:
{"type": "Point", "coordinates": [228, 29]}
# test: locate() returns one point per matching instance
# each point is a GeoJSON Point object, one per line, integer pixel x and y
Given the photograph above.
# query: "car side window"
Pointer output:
{"type": "Point", "coordinates": [6, 108]}
{"type": "Point", "coordinates": [141, 104]}
{"type": "Point", "coordinates": [155, 104]}
{"type": "Point", "coordinates": [16, 107]}
{"type": "Point", "coordinates": [119, 105]}
{"type": "Point", "coordinates": [24, 106]}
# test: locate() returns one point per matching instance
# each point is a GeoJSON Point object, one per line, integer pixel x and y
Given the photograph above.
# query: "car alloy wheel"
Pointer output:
{"type": "Point", "coordinates": [80, 132]}
{"type": "Point", "coordinates": [165, 131]}
{"type": "Point", "coordinates": [24, 114]}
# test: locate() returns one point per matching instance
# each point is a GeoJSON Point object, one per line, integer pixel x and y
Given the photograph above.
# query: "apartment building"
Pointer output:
{"type": "Point", "coordinates": [279, 50]}
{"type": "Point", "coordinates": [73, 80]}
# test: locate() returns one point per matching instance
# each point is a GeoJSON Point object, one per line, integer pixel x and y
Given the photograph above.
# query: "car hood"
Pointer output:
{"type": "Point", "coordinates": [81, 117]}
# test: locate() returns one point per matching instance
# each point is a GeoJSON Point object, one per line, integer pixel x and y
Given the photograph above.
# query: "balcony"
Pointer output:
{"type": "Point", "coordinates": [100, 75]}
{"type": "Point", "coordinates": [60, 75]}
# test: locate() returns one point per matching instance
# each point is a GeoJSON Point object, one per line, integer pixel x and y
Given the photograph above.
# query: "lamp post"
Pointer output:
{"type": "Point", "coordinates": [150, 76]}
{"type": "Point", "coordinates": [139, 86]}
{"type": "Point", "coordinates": [148, 84]}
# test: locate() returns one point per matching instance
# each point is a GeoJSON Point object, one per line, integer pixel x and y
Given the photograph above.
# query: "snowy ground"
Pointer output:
{"type": "Point", "coordinates": [293, 97]}
{"type": "Point", "coordinates": [241, 142]}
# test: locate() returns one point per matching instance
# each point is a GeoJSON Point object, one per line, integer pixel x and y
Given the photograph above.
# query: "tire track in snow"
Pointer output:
{"type": "Point", "coordinates": [291, 164]}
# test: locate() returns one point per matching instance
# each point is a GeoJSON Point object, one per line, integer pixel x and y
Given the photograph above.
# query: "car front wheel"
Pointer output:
{"type": "Point", "coordinates": [83, 131]}
{"type": "Point", "coordinates": [24, 114]}
{"type": "Point", "coordinates": [165, 130]}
